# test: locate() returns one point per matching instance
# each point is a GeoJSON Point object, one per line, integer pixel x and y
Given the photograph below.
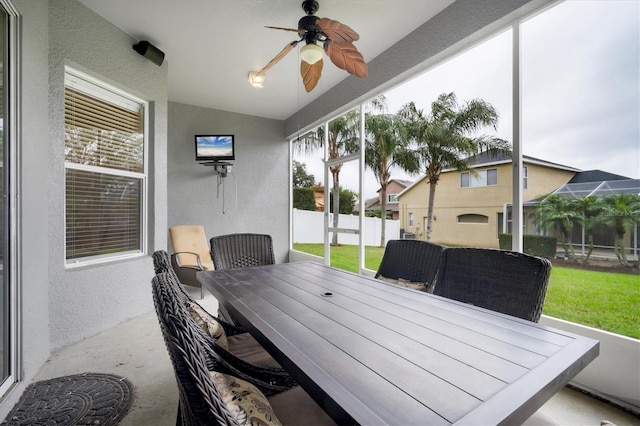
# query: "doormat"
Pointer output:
{"type": "Point", "coordinates": [82, 399]}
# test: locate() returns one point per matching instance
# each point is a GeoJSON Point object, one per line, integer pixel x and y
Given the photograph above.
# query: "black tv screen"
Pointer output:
{"type": "Point", "coordinates": [215, 147]}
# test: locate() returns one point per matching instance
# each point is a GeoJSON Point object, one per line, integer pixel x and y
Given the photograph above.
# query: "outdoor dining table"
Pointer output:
{"type": "Point", "coordinates": [371, 352]}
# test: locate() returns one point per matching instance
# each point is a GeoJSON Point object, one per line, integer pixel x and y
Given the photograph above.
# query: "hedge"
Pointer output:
{"type": "Point", "coordinates": [536, 245]}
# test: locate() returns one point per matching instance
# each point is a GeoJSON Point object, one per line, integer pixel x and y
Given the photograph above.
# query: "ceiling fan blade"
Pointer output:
{"type": "Point", "coordinates": [337, 31]}
{"type": "Point", "coordinates": [347, 57]}
{"type": "Point", "coordinates": [280, 55]}
{"type": "Point", "coordinates": [310, 74]}
{"type": "Point", "coordinates": [282, 28]}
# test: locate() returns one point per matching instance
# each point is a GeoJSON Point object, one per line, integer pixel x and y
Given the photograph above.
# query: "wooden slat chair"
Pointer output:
{"type": "Point", "coordinates": [242, 250]}
{"type": "Point", "coordinates": [231, 341]}
{"type": "Point", "coordinates": [190, 253]}
{"type": "Point", "coordinates": [213, 393]}
{"type": "Point", "coordinates": [410, 263]}
{"type": "Point", "coordinates": [504, 281]}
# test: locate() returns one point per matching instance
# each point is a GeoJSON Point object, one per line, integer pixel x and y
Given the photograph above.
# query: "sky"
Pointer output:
{"type": "Point", "coordinates": [580, 89]}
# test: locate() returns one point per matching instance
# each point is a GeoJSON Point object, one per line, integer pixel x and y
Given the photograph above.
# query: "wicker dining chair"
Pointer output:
{"type": "Point", "coordinates": [270, 380]}
{"type": "Point", "coordinates": [236, 341]}
{"type": "Point", "coordinates": [411, 263]}
{"type": "Point", "coordinates": [233, 251]}
{"type": "Point", "coordinates": [504, 281]}
{"type": "Point", "coordinates": [215, 394]}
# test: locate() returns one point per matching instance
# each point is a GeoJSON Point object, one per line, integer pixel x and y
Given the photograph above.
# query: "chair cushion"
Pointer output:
{"type": "Point", "coordinates": [247, 405]}
{"type": "Point", "coordinates": [405, 283]}
{"type": "Point", "coordinates": [245, 347]}
{"type": "Point", "coordinates": [209, 324]}
{"type": "Point", "coordinates": [296, 407]}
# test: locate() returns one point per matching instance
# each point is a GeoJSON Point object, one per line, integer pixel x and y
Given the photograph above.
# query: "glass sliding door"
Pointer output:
{"type": "Point", "coordinates": [4, 272]}
{"type": "Point", "coordinates": [7, 307]}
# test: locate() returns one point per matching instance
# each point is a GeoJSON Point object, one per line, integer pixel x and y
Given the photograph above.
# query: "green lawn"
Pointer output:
{"type": "Point", "coordinates": [601, 300]}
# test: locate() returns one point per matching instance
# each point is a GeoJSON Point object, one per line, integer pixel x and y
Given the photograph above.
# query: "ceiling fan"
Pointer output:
{"type": "Point", "coordinates": [337, 42]}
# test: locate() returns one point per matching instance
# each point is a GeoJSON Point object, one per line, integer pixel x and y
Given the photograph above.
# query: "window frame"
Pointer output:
{"type": "Point", "coordinates": [480, 181]}
{"type": "Point", "coordinates": [410, 219]}
{"type": "Point", "coordinates": [392, 198]}
{"type": "Point", "coordinates": [108, 93]}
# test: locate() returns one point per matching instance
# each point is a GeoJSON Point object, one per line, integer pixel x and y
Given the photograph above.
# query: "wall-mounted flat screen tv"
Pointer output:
{"type": "Point", "coordinates": [215, 147]}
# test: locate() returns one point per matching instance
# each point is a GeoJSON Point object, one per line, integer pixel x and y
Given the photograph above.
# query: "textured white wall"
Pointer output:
{"type": "Point", "coordinates": [84, 302]}
{"type": "Point", "coordinates": [256, 192]}
{"type": "Point", "coordinates": [33, 232]}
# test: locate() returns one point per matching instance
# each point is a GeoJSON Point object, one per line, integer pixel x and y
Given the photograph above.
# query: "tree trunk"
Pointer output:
{"type": "Point", "coordinates": [336, 205]}
{"type": "Point", "coordinates": [590, 242]}
{"type": "Point", "coordinates": [432, 196]}
{"type": "Point", "coordinates": [619, 249]}
{"type": "Point", "coordinates": [383, 215]}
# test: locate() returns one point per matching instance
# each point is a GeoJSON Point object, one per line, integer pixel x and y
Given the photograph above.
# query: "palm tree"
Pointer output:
{"type": "Point", "coordinates": [342, 140]}
{"type": "Point", "coordinates": [385, 148]}
{"type": "Point", "coordinates": [444, 137]}
{"type": "Point", "coordinates": [621, 212]}
{"type": "Point", "coordinates": [590, 208]}
{"type": "Point", "coordinates": [558, 213]}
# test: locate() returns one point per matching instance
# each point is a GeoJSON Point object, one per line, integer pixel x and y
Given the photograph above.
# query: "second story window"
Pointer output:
{"type": "Point", "coordinates": [525, 177]}
{"type": "Point", "coordinates": [488, 177]}
{"type": "Point", "coordinates": [392, 198]}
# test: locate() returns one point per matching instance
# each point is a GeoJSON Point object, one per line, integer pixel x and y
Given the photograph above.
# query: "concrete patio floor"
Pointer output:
{"type": "Point", "coordinates": [135, 350]}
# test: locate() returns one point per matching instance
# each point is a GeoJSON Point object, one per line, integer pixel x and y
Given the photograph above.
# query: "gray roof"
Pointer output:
{"type": "Point", "coordinates": [596, 176]}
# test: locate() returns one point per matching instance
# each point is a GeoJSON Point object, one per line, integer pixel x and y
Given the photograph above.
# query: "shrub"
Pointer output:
{"type": "Point", "coordinates": [303, 199]}
{"type": "Point", "coordinates": [535, 245]}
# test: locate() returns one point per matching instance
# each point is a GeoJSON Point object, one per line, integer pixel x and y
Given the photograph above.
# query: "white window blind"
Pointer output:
{"type": "Point", "coordinates": [104, 172]}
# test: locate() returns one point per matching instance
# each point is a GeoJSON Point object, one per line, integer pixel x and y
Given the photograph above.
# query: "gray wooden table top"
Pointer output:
{"type": "Point", "coordinates": [370, 352]}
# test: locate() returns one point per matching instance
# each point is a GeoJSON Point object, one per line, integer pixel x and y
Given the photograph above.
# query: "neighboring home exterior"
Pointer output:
{"type": "Point", "coordinates": [395, 187]}
{"type": "Point", "coordinates": [469, 207]}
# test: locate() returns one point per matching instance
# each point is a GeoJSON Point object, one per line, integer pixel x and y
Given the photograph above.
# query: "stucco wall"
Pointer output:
{"type": "Point", "coordinates": [85, 301]}
{"type": "Point", "coordinates": [451, 201]}
{"type": "Point", "coordinates": [254, 197]}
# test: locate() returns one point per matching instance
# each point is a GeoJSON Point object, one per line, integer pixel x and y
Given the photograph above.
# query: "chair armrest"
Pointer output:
{"type": "Point", "coordinates": [175, 257]}
{"type": "Point", "coordinates": [270, 380]}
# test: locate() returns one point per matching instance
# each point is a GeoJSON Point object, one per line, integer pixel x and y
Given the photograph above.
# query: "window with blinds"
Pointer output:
{"type": "Point", "coordinates": [105, 180]}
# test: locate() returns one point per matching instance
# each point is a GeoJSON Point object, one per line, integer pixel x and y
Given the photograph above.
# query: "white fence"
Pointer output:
{"type": "Point", "coordinates": [308, 227]}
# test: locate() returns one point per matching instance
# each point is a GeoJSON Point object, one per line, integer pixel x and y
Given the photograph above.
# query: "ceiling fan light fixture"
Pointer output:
{"type": "Point", "coordinates": [256, 79]}
{"type": "Point", "coordinates": [311, 53]}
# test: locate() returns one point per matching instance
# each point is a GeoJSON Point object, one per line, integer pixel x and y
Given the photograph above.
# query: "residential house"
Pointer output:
{"type": "Point", "coordinates": [469, 206]}
{"type": "Point", "coordinates": [395, 187]}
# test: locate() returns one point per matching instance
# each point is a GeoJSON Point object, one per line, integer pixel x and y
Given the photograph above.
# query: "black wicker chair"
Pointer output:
{"type": "Point", "coordinates": [412, 263]}
{"type": "Point", "coordinates": [239, 251]}
{"type": "Point", "coordinates": [504, 281]}
{"type": "Point", "coordinates": [240, 344]}
{"type": "Point", "coordinates": [200, 401]}
{"type": "Point", "coordinates": [161, 263]}
{"type": "Point", "coordinates": [270, 380]}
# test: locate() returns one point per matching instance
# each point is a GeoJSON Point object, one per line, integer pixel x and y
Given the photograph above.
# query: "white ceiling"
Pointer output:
{"type": "Point", "coordinates": [211, 45]}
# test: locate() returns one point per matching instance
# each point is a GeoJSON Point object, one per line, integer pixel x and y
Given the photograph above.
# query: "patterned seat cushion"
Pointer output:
{"type": "Point", "coordinates": [405, 283]}
{"type": "Point", "coordinates": [209, 323]}
{"type": "Point", "coordinates": [247, 405]}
